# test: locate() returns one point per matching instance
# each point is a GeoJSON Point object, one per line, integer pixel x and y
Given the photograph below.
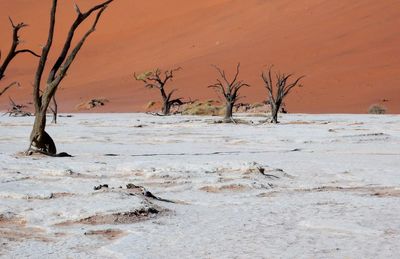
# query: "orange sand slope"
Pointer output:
{"type": "Point", "coordinates": [348, 49]}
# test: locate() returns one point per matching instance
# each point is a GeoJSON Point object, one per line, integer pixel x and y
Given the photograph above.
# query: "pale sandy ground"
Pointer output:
{"type": "Point", "coordinates": [330, 189]}
{"type": "Point", "coordinates": [348, 49]}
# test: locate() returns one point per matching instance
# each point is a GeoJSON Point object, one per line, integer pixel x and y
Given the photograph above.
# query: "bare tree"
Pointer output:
{"type": "Point", "coordinates": [277, 93]}
{"type": "Point", "coordinates": [154, 79]}
{"type": "Point", "coordinates": [39, 137]}
{"type": "Point", "coordinates": [13, 53]}
{"type": "Point", "coordinates": [229, 89]}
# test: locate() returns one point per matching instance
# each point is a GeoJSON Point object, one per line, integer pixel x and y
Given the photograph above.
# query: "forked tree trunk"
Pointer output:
{"type": "Point", "coordinates": [228, 111]}
{"type": "Point", "coordinates": [166, 104]}
{"type": "Point", "coordinates": [274, 111]}
{"type": "Point", "coordinates": [39, 137]}
{"type": "Point", "coordinates": [166, 107]}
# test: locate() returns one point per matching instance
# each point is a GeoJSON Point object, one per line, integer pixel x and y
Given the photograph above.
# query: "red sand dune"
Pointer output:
{"type": "Point", "coordinates": [348, 49]}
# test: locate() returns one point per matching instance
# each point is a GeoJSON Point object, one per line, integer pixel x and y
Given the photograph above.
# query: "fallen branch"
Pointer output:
{"type": "Point", "coordinates": [16, 110]}
{"type": "Point", "coordinates": [147, 193]}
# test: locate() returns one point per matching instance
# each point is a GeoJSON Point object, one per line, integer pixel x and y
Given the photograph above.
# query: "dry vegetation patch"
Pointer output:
{"type": "Point", "coordinates": [93, 103]}
{"type": "Point", "coordinates": [216, 108]}
{"type": "Point", "coordinates": [210, 108]}
{"type": "Point", "coordinates": [377, 109]}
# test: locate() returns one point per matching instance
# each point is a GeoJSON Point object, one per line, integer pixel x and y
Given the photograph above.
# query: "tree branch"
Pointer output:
{"type": "Point", "coordinates": [230, 89]}
{"type": "Point", "coordinates": [291, 86]}
{"type": "Point", "coordinates": [27, 51]}
{"type": "Point", "coordinates": [79, 19]}
{"type": "Point", "coordinates": [13, 50]}
{"type": "Point", "coordinates": [220, 87]}
{"type": "Point", "coordinates": [236, 75]}
{"type": "Point", "coordinates": [8, 87]}
{"type": "Point", "coordinates": [52, 86]}
{"type": "Point", "coordinates": [43, 59]}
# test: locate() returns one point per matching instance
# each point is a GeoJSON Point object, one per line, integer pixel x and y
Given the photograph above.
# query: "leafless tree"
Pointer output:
{"type": "Point", "coordinates": [278, 92]}
{"type": "Point", "coordinates": [13, 52]}
{"type": "Point", "coordinates": [229, 89]}
{"type": "Point", "coordinates": [42, 98]}
{"type": "Point", "coordinates": [154, 79]}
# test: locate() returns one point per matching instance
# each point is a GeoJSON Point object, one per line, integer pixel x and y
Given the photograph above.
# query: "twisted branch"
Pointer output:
{"type": "Point", "coordinates": [14, 45]}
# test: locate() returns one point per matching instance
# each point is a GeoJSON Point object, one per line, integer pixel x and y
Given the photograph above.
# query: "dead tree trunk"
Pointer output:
{"type": "Point", "coordinates": [230, 91]}
{"type": "Point", "coordinates": [277, 93]}
{"type": "Point", "coordinates": [14, 45]}
{"type": "Point", "coordinates": [228, 111]}
{"type": "Point", "coordinates": [274, 111]}
{"type": "Point", "coordinates": [166, 105]}
{"type": "Point", "coordinates": [54, 110]}
{"type": "Point", "coordinates": [154, 80]}
{"type": "Point", "coordinates": [39, 138]}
